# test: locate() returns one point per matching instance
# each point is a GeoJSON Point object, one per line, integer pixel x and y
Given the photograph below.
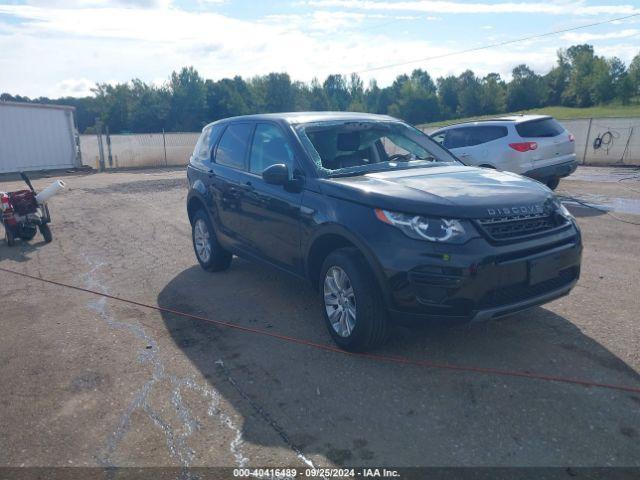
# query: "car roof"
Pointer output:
{"type": "Point", "coordinates": [511, 119]}
{"type": "Point", "coordinates": [310, 117]}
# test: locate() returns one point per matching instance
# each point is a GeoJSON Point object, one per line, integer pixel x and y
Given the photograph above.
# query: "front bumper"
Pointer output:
{"type": "Point", "coordinates": [480, 280]}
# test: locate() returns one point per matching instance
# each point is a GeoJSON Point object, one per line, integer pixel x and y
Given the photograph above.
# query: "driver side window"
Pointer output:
{"type": "Point", "coordinates": [269, 147]}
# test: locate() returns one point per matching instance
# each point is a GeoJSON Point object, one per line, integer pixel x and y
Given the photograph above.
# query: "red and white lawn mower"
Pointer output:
{"type": "Point", "coordinates": [25, 211]}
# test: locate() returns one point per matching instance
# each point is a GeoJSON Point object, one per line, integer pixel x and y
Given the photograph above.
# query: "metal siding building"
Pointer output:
{"type": "Point", "coordinates": [36, 137]}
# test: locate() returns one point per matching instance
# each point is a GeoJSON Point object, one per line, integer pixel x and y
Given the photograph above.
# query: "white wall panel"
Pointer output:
{"type": "Point", "coordinates": [36, 137]}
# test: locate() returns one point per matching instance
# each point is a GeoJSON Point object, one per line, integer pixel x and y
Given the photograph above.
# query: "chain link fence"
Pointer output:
{"type": "Point", "coordinates": [139, 150]}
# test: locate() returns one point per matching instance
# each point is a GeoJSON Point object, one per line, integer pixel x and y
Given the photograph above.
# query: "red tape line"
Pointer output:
{"type": "Point", "coordinates": [330, 348]}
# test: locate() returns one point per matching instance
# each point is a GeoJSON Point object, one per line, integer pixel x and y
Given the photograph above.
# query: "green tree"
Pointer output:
{"type": "Point", "coordinates": [579, 89]}
{"type": "Point", "coordinates": [493, 94]}
{"type": "Point", "coordinates": [634, 74]}
{"type": "Point", "coordinates": [188, 106]}
{"type": "Point", "coordinates": [557, 80]}
{"type": "Point", "coordinates": [337, 91]}
{"type": "Point", "coordinates": [227, 98]}
{"type": "Point", "coordinates": [278, 93]}
{"type": "Point", "coordinates": [149, 107]}
{"type": "Point", "coordinates": [113, 105]}
{"type": "Point", "coordinates": [415, 104]}
{"type": "Point", "coordinates": [526, 90]}
{"type": "Point", "coordinates": [448, 95]}
{"type": "Point", "coordinates": [318, 98]}
{"type": "Point", "coordinates": [469, 96]}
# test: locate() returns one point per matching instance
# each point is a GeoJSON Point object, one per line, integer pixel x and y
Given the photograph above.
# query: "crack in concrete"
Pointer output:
{"type": "Point", "coordinates": [176, 439]}
{"type": "Point", "coordinates": [260, 410]}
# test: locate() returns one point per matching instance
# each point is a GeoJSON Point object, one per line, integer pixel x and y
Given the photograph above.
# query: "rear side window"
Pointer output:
{"type": "Point", "coordinates": [457, 137]}
{"type": "Point", "coordinates": [486, 133]}
{"type": "Point", "coordinates": [202, 147]}
{"type": "Point", "coordinates": [208, 138]}
{"type": "Point", "coordinates": [439, 137]}
{"type": "Point", "coordinates": [547, 127]}
{"type": "Point", "coordinates": [233, 145]}
{"type": "Point", "coordinates": [472, 136]}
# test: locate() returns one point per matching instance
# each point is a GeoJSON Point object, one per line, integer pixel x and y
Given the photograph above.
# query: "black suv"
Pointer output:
{"type": "Point", "coordinates": [384, 222]}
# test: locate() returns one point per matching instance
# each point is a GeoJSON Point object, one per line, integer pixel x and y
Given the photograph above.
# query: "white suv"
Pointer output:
{"type": "Point", "coordinates": [533, 145]}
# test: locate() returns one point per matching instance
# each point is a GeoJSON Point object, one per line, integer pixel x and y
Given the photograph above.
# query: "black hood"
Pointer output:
{"type": "Point", "coordinates": [450, 191]}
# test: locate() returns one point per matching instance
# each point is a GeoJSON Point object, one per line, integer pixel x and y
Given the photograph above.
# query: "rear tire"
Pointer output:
{"type": "Point", "coordinates": [352, 304]}
{"type": "Point", "coordinates": [46, 233]}
{"type": "Point", "coordinates": [210, 254]}
{"type": "Point", "coordinates": [553, 182]}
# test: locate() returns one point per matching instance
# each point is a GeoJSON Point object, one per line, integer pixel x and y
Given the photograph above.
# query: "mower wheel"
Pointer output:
{"type": "Point", "coordinates": [46, 233]}
{"type": "Point", "coordinates": [8, 234]}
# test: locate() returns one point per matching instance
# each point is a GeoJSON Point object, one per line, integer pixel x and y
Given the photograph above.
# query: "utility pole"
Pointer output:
{"type": "Point", "coordinates": [100, 145]}
{"type": "Point", "coordinates": [586, 143]}
{"type": "Point", "coordinates": [109, 146]}
{"type": "Point", "coordinates": [164, 146]}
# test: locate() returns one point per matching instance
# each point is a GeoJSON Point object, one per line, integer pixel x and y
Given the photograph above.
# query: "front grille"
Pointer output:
{"type": "Point", "coordinates": [517, 227]}
{"type": "Point", "coordinates": [522, 291]}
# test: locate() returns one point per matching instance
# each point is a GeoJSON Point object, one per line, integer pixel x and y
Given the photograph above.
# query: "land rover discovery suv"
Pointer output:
{"type": "Point", "coordinates": [537, 146]}
{"type": "Point", "coordinates": [386, 224]}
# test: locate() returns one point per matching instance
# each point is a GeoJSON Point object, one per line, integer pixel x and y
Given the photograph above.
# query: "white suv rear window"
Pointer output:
{"type": "Point", "coordinates": [547, 127]}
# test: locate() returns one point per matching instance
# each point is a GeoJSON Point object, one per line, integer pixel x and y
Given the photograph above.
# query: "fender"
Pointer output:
{"type": "Point", "coordinates": [199, 191]}
{"type": "Point", "coordinates": [337, 229]}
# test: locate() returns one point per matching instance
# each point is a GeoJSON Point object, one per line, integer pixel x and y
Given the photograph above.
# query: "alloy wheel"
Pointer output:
{"type": "Point", "coordinates": [201, 240]}
{"type": "Point", "coordinates": [340, 301]}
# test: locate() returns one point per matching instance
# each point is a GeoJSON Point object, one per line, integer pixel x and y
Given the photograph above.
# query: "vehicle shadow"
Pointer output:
{"type": "Point", "coordinates": [356, 411]}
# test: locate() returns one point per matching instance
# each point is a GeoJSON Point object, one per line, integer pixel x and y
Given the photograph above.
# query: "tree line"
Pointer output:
{"type": "Point", "coordinates": [187, 101]}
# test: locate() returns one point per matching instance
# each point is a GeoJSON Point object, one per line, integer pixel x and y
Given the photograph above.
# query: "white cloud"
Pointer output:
{"type": "Point", "coordinates": [102, 3]}
{"type": "Point", "coordinates": [589, 37]}
{"type": "Point", "coordinates": [64, 51]}
{"type": "Point", "coordinates": [456, 7]}
{"type": "Point", "coordinates": [75, 87]}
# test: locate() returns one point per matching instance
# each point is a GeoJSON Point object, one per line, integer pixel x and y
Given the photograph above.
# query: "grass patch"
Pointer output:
{"type": "Point", "coordinates": [561, 113]}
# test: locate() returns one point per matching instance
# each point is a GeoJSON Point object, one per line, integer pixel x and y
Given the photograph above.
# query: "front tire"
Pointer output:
{"type": "Point", "coordinates": [11, 239]}
{"type": "Point", "coordinates": [353, 309]}
{"type": "Point", "coordinates": [210, 254]}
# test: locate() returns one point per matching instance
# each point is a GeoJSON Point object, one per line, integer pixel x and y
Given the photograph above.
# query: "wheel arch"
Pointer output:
{"type": "Point", "coordinates": [331, 238]}
{"type": "Point", "coordinates": [194, 203]}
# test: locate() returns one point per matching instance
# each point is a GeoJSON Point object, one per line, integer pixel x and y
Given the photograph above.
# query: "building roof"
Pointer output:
{"type": "Point", "coordinates": [36, 105]}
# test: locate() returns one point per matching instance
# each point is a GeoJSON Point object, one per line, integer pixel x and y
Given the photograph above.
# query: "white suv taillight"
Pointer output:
{"type": "Point", "coordinates": [524, 146]}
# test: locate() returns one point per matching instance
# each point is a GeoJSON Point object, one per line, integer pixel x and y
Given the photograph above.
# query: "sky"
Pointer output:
{"type": "Point", "coordinates": [62, 48]}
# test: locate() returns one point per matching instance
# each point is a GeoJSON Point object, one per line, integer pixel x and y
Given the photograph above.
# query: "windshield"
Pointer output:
{"type": "Point", "coordinates": [356, 147]}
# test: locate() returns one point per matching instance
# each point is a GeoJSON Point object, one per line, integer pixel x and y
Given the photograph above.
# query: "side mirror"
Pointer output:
{"type": "Point", "coordinates": [277, 174]}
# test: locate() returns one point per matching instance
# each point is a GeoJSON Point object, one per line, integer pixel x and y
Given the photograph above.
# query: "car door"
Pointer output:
{"type": "Point", "coordinates": [457, 140]}
{"type": "Point", "coordinates": [227, 182]}
{"type": "Point", "coordinates": [484, 147]}
{"type": "Point", "coordinates": [274, 210]}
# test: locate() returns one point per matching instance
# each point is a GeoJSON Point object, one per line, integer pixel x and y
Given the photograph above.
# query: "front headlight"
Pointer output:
{"type": "Point", "coordinates": [425, 228]}
{"type": "Point", "coordinates": [564, 211]}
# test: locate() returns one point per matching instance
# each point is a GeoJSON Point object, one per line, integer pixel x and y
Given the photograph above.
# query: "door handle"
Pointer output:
{"type": "Point", "coordinates": [249, 185]}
